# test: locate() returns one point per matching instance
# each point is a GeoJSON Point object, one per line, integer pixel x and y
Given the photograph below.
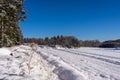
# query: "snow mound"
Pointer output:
{"type": "Point", "coordinates": [25, 64]}
{"type": "Point", "coordinates": [4, 51]}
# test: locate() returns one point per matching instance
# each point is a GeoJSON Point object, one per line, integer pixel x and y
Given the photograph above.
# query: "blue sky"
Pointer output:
{"type": "Point", "coordinates": [85, 19]}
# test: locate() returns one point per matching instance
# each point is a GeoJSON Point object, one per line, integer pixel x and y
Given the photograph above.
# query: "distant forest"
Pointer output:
{"type": "Point", "coordinates": [71, 41]}
{"type": "Point", "coordinates": [110, 44]}
{"type": "Point", "coordinates": [63, 41]}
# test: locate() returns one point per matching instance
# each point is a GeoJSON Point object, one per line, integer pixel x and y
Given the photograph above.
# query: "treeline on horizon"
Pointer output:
{"type": "Point", "coordinates": [63, 41]}
{"type": "Point", "coordinates": [71, 41]}
{"type": "Point", "coordinates": [110, 44]}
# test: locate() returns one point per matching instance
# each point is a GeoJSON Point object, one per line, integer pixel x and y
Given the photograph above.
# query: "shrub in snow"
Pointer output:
{"type": "Point", "coordinates": [34, 46]}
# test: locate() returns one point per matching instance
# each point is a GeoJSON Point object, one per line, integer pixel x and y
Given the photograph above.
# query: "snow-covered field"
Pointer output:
{"type": "Point", "coordinates": [22, 63]}
{"type": "Point", "coordinates": [90, 63]}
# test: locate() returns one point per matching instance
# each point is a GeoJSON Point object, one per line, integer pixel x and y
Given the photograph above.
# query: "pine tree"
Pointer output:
{"type": "Point", "coordinates": [11, 12]}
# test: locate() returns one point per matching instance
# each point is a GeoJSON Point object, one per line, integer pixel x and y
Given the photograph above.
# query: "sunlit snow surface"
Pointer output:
{"type": "Point", "coordinates": [4, 51]}
{"type": "Point", "coordinates": [59, 64]}
{"type": "Point", "coordinates": [89, 63]}
{"type": "Point", "coordinates": [16, 63]}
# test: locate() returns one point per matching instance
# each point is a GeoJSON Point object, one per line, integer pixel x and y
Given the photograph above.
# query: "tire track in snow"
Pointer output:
{"type": "Point", "coordinates": [96, 54]}
{"type": "Point", "coordinates": [92, 56]}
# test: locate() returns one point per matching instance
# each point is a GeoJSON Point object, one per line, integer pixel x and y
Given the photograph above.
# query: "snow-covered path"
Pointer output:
{"type": "Point", "coordinates": [92, 63]}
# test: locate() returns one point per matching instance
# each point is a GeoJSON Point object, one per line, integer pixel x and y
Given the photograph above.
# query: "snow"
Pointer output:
{"type": "Point", "coordinates": [90, 63]}
{"type": "Point", "coordinates": [46, 63]}
{"type": "Point", "coordinates": [63, 70]}
{"type": "Point", "coordinates": [4, 51]}
{"type": "Point", "coordinates": [24, 64]}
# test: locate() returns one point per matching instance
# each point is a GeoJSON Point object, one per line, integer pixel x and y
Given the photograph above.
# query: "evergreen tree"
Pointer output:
{"type": "Point", "coordinates": [11, 12]}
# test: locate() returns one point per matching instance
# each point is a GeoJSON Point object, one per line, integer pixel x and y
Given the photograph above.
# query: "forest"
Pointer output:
{"type": "Point", "coordinates": [63, 41]}
{"type": "Point", "coordinates": [110, 44]}
{"type": "Point", "coordinates": [71, 41]}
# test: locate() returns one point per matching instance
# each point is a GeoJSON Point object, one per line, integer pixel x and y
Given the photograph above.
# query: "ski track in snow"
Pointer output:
{"type": "Point", "coordinates": [95, 56]}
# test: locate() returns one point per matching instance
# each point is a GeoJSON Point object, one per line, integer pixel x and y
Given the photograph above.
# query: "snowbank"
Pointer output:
{"type": "Point", "coordinates": [4, 51]}
{"type": "Point", "coordinates": [25, 64]}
